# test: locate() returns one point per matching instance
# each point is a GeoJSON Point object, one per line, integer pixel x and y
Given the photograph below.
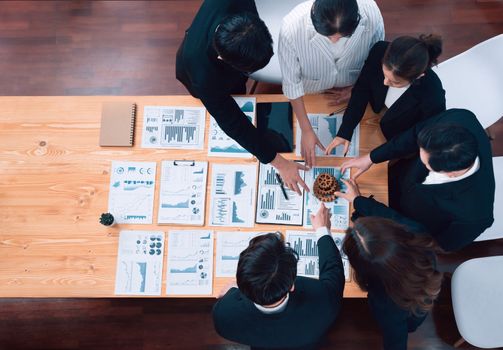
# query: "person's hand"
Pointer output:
{"type": "Point", "coordinates": [289, 172]}
{"type": "Point", "coordinates": [352, 190]}
{"type": "Point", "coordinates": [338, 96]}
{"type": "Point", "coordinates": [362, 163]}
{"type": "Point", "coordinates": [309, 141]}
{"type": "Point", "coordinates": [322, 218]}
{"type": "Point", "coordinates": [226, 288]}
{"type": "Point", "coordinates": [336, 142]}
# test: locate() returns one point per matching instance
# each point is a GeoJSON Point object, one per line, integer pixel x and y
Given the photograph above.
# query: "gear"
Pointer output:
{"type": "Point", "coordinates": [325, 186]}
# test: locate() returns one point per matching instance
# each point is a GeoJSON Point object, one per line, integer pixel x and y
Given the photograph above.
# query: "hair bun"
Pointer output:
{"type": "Point", "coordinates": [434, 44]}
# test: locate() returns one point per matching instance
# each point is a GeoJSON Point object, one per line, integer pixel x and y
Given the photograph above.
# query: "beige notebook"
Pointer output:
{"type": "Point", "coordinates": [117, 124]}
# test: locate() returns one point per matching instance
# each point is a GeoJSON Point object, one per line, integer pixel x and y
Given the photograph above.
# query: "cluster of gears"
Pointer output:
{"type": "Point", "coordinates": [325, 186]}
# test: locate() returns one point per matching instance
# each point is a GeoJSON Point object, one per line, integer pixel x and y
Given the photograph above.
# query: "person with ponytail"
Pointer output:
{"type": "Point", "coordinates": [397, 267]}
{"type": "Point", "coordinates": [396, 76]}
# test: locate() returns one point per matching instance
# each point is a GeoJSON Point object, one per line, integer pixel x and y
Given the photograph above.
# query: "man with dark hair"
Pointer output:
{"type": "Point", "coordinates": [322, 45]}
{"type": "Point", "coordinates": [274, 309]}
{"type": "Point", "coordinates": [225, 43]}
{"type": "Point", "coordinates": [449, 188]}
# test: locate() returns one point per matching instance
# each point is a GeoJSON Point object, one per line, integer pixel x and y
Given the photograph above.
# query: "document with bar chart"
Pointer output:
{"type": "Point", "coordinates": [173, 127]}
{"type": "Point", "coordinates": [131, 195]}
{"type": "Point", "coordinates": [339, 207]}
{"type": "Point", "coordinates": [273, 207]}
{"type": "Point", "coordinates": [305, 244]}
{"type": "Point", "coordinates": [139, 263]}
{"type": "Point", "coordinates": [221, 145]}
{"type": "Point", "coordinates": [182, 197]}
{"type": "Point", "coordinates": [326, 127]}
{"type": "Point", "coordinates": [233, 188]}
{"type": "Point", "coordinates": [229, 245]}
{"type": "Point", "coordinates": [189, 262]}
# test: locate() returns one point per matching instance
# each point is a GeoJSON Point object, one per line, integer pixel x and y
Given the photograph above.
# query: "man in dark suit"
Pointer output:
{"type": "Point", "coordinates": [449, 187]}
{"type": "Point", "coordinates": [225, 43]}
{"type": "Point", "coordinates": [274, 309]}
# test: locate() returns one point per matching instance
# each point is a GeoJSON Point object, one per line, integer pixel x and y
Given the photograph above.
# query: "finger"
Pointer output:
{"type": "Point", "coordinates": [295, 188]}
{"type": "Point", "coordinates": [358, 173]}
{"type": "Point", "coordinates": [346, 148]}
{"type": "Point", "coordinates": [320, 145]}
{"type": "Point", "coordinates": [302, 166]}
{"type": "Point", "coordinates": [303, 184]}
{"type": "Point", "coordinates": [312, 156]}
{"type": "Point", "coordinates": [341, 195]}
{"type": "Point", "coordinates": [329, 148]}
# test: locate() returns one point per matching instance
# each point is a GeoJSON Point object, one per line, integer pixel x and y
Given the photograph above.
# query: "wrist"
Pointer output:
{"type": "Point", "coordinates": [278, 161]}
{"type": "Point", "coordinates": [322, 231]}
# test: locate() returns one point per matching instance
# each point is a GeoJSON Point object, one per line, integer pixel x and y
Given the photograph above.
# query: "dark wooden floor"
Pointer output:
{"type": "Point", "coordinates": [128, 48]}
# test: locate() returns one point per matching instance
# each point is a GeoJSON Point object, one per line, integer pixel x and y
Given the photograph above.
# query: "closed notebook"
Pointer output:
{"type": "Point", "coordinates": [117, 124]}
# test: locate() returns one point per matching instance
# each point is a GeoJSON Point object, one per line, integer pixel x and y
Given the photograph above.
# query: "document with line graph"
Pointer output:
{"type": "Point", "coordinates": [233, 188]}
{"type": "Point", "coordinates": [189, 262]}
{"type": "Point", "coordinates": [131, 195]}
{"type": "Point", "coordinates": [221, 145]}
{"type": "Point", "coordinates": [173, 127]}
{"type": "Point", "coordinates": [182, 196]}
{"type": "Point", "coordinates": [139, 263]}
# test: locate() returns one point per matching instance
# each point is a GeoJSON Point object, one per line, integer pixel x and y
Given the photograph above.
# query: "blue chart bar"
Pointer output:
{"type": "Point", "coordinates": [331, 171]}
{"type": "Point", "coordinates": [268, 200]}
{"type": "Point", "coordinates": [270, 177]}
{"type": "Point", "coordinates": [310, 269]}
{"type": "Point", "coordinates": [283, 217]}
{"type": "Point", "coordinates": [180, 134]}
{"type": "Point", "coordinates": [310, 249]}
{"type": "Point", "coordinates": [219, 184]}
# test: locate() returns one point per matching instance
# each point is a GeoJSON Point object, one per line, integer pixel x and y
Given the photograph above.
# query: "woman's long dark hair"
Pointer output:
{"type": "Point", "coordinates": [386, 252]}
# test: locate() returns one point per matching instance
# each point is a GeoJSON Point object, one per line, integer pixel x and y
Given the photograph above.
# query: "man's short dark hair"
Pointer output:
{"type": "Point", "coordinates": [244, 42]}
{"type": "Point", "coordinates": [335, 16]}
{"type": "Point", "coordinates": [450, 147]}
{"type": "Point", "coordinates": [266, 269]}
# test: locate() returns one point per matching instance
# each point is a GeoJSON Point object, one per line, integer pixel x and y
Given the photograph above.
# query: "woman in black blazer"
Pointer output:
{"type": "Point", "coordinates": [395, 262]}
{"type": "Point", "coordinates": [397, 76]}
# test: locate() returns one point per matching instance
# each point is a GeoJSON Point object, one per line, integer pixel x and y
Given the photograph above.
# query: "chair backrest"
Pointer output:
{"type": "Point", "coordinates": [477, 289]}
{"type": "Point", "coordinates": [474, 80]}
{"type": "Point", "coordinates": [496, 230]}
{"type": "Point", "coordinates": [272, 13]}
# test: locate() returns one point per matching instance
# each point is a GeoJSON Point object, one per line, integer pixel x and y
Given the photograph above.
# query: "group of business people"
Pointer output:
{"type": "Point", "coordinates": [441, 181]}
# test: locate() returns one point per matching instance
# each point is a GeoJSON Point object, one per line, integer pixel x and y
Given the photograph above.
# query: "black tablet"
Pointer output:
{"type": "Point", "coordinates": [275, 120]}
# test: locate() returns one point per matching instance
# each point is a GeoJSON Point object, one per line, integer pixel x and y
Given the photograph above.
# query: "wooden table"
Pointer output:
{"type": "Point", "coordinates": [54, 182]}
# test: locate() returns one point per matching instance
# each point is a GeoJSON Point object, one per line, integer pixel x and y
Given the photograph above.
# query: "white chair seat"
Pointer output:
{"type": "Point", "coordinates": [474, 80]}
{"type": "Point", "coordinates": [272, 13]}
{"type": "Point", "coordinates": [496, 230]}
{"type": "Point", "coordinates": [477, 300]}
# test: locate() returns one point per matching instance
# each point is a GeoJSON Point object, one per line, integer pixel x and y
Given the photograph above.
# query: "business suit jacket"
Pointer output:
{"type": "Point", "coordinates": [312, 307]}
{"type": "Point", "coordinates": [395, 322]}
{"type": "Point", "coordinates": [453, 213]}
{"type": "Point", "coordinates": [213, 81]}
{"type": "Point", "coordinates": [422, 100]}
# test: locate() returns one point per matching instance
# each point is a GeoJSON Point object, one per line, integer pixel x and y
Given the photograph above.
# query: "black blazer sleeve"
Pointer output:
{"type": "Point", "coordinates": [361, 92]}
{"type": "Point", "coordinates": [460, 233]}
{"type": "Point", "coordinates": [331, 268]}
{"type": "Point", "coordinates": [236, 125]}
{"type": "Point", "coordinates": [371, 207]}
{"type": "Point", "coordinates": [399, 146]}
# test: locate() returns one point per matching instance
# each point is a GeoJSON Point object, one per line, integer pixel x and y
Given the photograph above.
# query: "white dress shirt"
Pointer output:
{"type": "Point", "coordinates": [435, 178]}
{"type": "Point", "coordinates": [394, 94]}
{"type": "Point", "coordinates": [311, 63]}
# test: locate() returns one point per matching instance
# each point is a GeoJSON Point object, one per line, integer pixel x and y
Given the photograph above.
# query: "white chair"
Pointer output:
{"type": "Point", "coordinates": [473, 80]}
{"type": "Point", "coordinates": [272, 13]}
{"type": "Point", "coordinates": [496, 230]}
{"type": "Point", "coordinates": [477, 290]}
